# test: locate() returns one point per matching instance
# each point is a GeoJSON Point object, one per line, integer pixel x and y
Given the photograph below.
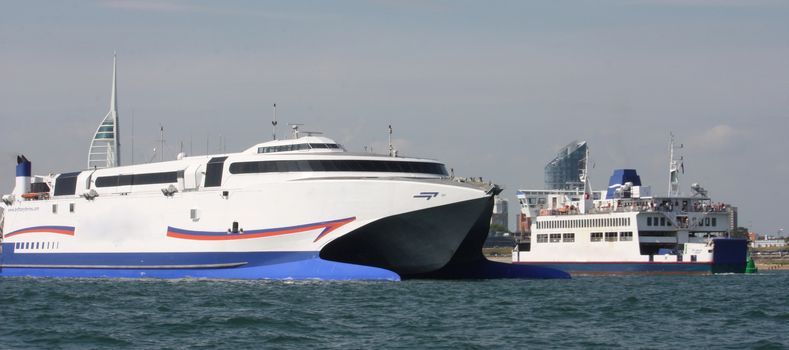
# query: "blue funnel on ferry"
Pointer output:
{"type": "Point", "coordinates": [619, 178]}
{"type": "Point", "coordinates": [23, 173]}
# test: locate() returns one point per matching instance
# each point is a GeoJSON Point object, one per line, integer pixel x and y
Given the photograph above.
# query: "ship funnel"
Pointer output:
{"type": "Point", "coordinates": [22, 175]}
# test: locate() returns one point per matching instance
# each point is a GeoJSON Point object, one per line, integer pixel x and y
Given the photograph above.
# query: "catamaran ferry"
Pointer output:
{"type": "Point", "coordinates": [628, 230]}
{"type": "Point", "coordinates": [298, 208]}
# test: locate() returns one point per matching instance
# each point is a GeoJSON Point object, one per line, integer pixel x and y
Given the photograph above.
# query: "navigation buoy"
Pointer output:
{"type": "Point", "coordinates": [750, 266]}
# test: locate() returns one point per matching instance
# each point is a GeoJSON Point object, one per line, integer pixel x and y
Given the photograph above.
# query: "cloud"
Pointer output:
{"type": "Point", "coordinates": [152, 6]}
{"type": "Point", "coordinates": [179, 7]}
{"type": "Point", "coordinates": [718, 138]}
{"type": "Point", "coordinates": [709, 3]}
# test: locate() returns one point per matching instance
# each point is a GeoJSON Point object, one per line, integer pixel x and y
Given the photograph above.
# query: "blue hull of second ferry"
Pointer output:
{"type": "Point", "coordinates": [627, 268]}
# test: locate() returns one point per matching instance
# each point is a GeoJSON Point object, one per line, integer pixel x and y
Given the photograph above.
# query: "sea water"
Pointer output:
{"type": "Point", "coordinates": [648, 312]}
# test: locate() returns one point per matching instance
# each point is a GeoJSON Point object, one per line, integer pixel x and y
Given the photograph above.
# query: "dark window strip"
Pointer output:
{"type": "Point", "coordinates": [137, 179]}
{"type": "Point", "coordinates": [337, 165]}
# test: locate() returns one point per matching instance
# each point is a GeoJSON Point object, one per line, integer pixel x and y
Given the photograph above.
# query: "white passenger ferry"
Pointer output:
{"type": "Point", "coordinates": [297, 208]}
{"type": "Point", "coordinates": [628, 230]}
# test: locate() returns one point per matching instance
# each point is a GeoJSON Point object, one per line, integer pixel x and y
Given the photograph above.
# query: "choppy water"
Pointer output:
{"type": "Point", "coordinates": [655, 312]}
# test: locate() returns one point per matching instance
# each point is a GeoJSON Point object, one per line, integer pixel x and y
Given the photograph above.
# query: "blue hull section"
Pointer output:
{"type": "Point", "coordinates": [235, 265]}
{"type": "Point", "coordinates": [628, 268]}
{"type": "Point", "coordinates": [730, 256]}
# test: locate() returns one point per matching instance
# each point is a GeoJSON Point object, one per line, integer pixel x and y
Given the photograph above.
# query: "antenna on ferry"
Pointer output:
{"type": "Point", "coordinates": [295, 128]}
{"type": "Point", "coordinates": [132, 137]}
{"type": "Point", "coordinates": [161, 140]}
{"type": "Point", "coordinates": [274, 123]}
{"type": "Point", "coordinates": [673, 170]}
{"type": "Point", "coordinates": [391, 149]}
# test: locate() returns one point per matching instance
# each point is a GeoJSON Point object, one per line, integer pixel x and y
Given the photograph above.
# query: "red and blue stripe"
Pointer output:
{"type": "Point", "coordinates": [62, 230]}
{"type": "Point", "coordinates": [327, 226]}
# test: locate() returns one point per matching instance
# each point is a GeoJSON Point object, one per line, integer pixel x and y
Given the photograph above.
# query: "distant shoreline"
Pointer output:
{"type": "Point", "coordinates": [765, 264]}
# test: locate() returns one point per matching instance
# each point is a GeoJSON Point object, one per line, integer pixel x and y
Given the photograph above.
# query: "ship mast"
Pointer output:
{"type": "Point", "coordinates": [674, 167]}
{"type": "Point", "coordinates": [274, 124]}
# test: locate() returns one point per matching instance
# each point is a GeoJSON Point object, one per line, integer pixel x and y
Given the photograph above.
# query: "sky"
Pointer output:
{"type": "Point", "coordinates": [491, 88]}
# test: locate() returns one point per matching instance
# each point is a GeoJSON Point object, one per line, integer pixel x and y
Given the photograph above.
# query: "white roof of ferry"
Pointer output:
{"type": "Point", "coordinates": [300, 140]}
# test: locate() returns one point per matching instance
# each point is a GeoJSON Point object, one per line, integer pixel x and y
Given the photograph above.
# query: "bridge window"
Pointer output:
{"type": "Point", "coordinates": [66, 184]}
{"type": "Point", "coordinates": [610, 236]}
{"type": "Point", "coordinates": [297, 147]}
{"type": "Point", "coordinates": [597, 236]}
{"type": "Point", "coordinates": [556, 237]}
{"type": "Point", "coordinates": [626, 236]}
{"type": "Point", "coordinates": [542, 238]}
{"type": "Point", "coordinates": [568, 237]}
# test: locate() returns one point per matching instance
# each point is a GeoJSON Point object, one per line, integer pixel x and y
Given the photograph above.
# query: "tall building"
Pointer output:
{"type": "Point", "coordinates": [105, 147]}
{"type": "Point", "coordinates": [500, 213]}
{"type": "Point", "coordinates": [563, 172]}
{"type": "Point", "coordinates": [733, 224]}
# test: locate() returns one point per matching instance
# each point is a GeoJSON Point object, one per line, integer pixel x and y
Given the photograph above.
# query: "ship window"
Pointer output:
{"type": "Point", "coordinates": [155, 178]}
{"type": "Point", "coordinates": [54, 208]}
{"type": "Point", "coordinates": [542, 238]}
{"type": "Point", "coordinates": [137, 179]}
{"type": "Point", "coordinates": [337, 165]}
{"type": "Point", "coordinates": [626, 236]}
{"type": "Point", "coordinates": [71, 207]}
{"type": "Point", "coordinates": [16, 245]}
{"type": "Point", "coordinates": [597, 236]}
{"type": "Point", "coordinates": [66, 184]}
{"type": "Point", "coordinates": [213, 171]}
{"type": "Point", "coordinates": [714, 221]}
{"type": "Point", "coordinates": [663, 221]}
{"type": "Point", "coordinates": [568, 237]}
{"type": "Point", "coordinates": [706, 221]}
{"type": "Point", "coordinates": [36, 246]}
{"type": "Point", "coordinates": [556, 237]}
{"type": "Point", "coordinates": [39, 187]}
{"type": "Point", "coordinates": [610, 236]}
